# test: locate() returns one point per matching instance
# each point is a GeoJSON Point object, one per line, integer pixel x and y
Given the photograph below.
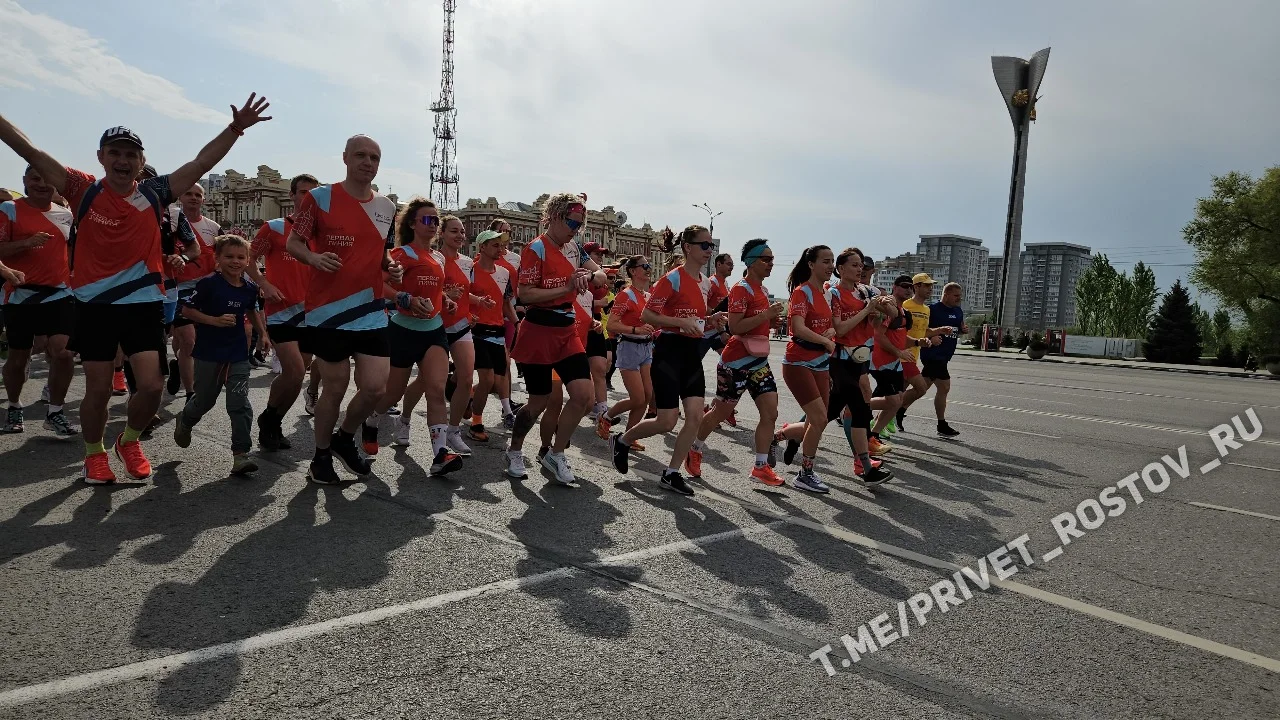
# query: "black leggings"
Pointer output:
{"type": "Point", "coordinates": [847, 392]}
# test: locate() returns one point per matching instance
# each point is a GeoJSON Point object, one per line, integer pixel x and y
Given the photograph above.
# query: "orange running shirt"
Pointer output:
{"type": "Point", "coordinates": [844, 305]}
{"type": "Point", "coordinates": [424, 278]}
{"type": "Point", "coordinates": [750, 300]}
{"type": "Point", "coordinates": [44, 266]}
{"type": "Point", "coordinates": [359, 233]}
{"type": "Point", "coordinates": [495, 285]}
{"type": "Point", "coordinates": [117, 257]}
{"type": "Point", "coordinates": [457, 275]}
{"type": "Point", "coordinates": [679, 294]}
{"type": "Point", "coordinates": [817, 317]}
{"type": "Point", "coordinates": [628, 305]}
{"type": "Point", "coordinates": [288, 274]}
{"type": "Point", "coordinates": [206, 231]}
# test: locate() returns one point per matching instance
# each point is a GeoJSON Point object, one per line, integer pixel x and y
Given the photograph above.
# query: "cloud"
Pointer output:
{"type": "Point", "coordinates": [41, 51]}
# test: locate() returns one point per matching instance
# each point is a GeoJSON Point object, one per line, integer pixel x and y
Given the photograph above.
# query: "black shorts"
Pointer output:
{"type": "Point", "coordinates": [333, 345]}
{"type": "Point", "coordinates": [101, 328]}
{"type": "Point", "coordinates": [491, 356]}
{"type": "Point", "coordinates": [757, 378]}
{"type": "Point", "coordinates": [677, 370]}
{"type": "Point", "coordinates": [935, 370]}
{"type": "Point", "coordinates": [537, 378]}
{"type": "Point", "coordinates": [888, 382]}
{"type": "Point", "coordinates": [281, 333]}
{"type": "Point", "coordinates": [846, 392]}
{"type": "Point", "coordinates": [597, 346]}
{"type": "Point", "coordinates": [27, 321]}
{"type": "Point", "coordinates": [178, 319]}
{"type": "Point", "coordinates": [408, 347]}
{"type": "Point", "coordinates": [454, 336]}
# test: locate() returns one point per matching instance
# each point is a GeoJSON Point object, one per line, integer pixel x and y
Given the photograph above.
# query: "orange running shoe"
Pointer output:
{"type": "Point", "coordinates": [97, 470]}
{"type": "Point", "coordinates": [135, 461]}
{"type": "Point", "coordinates": [693, 463]}
{"type": "Point", "coordinates": [637, 447]}
{"type": "Point", "coordinates": [765, 475]}
{"type": "Point", "coordinates": [876, 447]}
{"type": "Point", "coordinates": [857, 465]}
{"type": "Point", "coordinates": [118, 385]}
{"type": "Point", "coordinates": [369, 438]}
{"type": "Point", "coordinates": [603, 428]}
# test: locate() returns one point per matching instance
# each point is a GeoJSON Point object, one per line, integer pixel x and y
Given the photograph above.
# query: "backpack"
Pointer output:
{"type": "Point", "coordinates": [166, 234]}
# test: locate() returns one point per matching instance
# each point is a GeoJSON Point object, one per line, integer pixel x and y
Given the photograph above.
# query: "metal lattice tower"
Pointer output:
{"type": "Point", "coordinates": [444, 155]}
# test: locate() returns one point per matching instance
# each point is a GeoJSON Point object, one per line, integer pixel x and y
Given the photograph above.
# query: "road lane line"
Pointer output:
{"type": "Point", "coordinates": [991, 427]}
{"type": "Point", "coordinates": [1062, 601]}
{"type": "Point", "coordinates": [167, 665]}
{"type": "Point", "coordinates": [1004, 381]}
{"type": "Point", "coordinates": [1024, 397]}
{"type": "Point", "coordinates": [1255, 467]}
{"type": "Point", "coordinates": [1234, 510]}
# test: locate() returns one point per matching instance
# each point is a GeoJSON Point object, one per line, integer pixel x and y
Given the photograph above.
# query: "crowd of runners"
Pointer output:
{"type": "Point", "coordinates": [118, 270]}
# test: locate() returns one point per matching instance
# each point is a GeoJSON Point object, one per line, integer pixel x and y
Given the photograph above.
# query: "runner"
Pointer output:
{"type": "Point", "coordinates": [416, 336]}
{"type": "Point", "coordinates": [200, 262]}
{"type": "Point", "coordinates": [888, 357]}
{"type": "Point", "coordinates": [855, 327]}
{"type": "Point", "coordinates": [33, 241]}
{"type": "Point", "coordinates": [598, 355]}
{"type": "Point", "coordinates": [220, 304]}
{"type": "Point", "coordinates": [945, 315]}
{"type": "Point", "coordinates": [492, 282]}
{"type": "Point", "coordinates": [284, 292]}
{"type": "Point", "coordinates": [923, 336]}
{"type": "Point", "coordinates": [806, 364]}
{"type": "Point", "coordinates": [678, 307]}
{"type": "Point", "coordinates": [457, 324]}
{"type": "Point", "coordinates": [744, 364]}
{"type": "Point", "coordinates": [511, 261]}
{"type": "Point", "coordinates": [346, 227]}
{"type": "Point", "coordinates": [552, 273]}
{"type": "Point", "coordinates": [117, 278]}
{"type": "Point", "coordinates": [635, 343]}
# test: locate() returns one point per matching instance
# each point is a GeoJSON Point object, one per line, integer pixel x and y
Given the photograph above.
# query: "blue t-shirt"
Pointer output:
{"type": "Point", "coordinates": [215, 296]}
{"type": "Point", "coordinates": [941, 316]}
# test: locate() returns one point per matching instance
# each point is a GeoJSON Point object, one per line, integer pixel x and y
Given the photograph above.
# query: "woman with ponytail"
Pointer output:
{"type": "Point", "coordinates": [678, 307]}
{"type": "Point", "coordinates": [635, 343]}
{"type": "Point", "coordinates": [808, 356]}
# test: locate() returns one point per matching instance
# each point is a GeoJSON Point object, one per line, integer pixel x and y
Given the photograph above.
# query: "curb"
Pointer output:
{"type": "Point", "coordinates": [1187, 371]}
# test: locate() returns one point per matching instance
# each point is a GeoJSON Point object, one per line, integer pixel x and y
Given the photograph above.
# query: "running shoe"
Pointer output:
{"type": "Point", "coordinates": [309, 401]}
{"type": "Point", "coordinates": [693, 463]}
{"type": "Point", "coordinates": [174, 382]}
{"type": "Point", "coordinates": [97, 470]}
{"type": "Point", "coordinates": [118, 385]}
{"type": "Point", "coordinates": [181, 432]}
{"type": "Point", "coordinates": [321, 472]}
{"type": "Point", "coordinates": [453, 441]}
{"type": "Point", "coordinates": [401, 436]}
{"type": "Point", "coordinates": [445, 462]}
{"type": "Point", "coordinates": [773, 451]}
{"type": "Point", "coordinates": [636, 446]}
{"type": "Point", "coordinates": [60, 425]}
{"type": "Point", "coordinates": [675, 482]}
{"type": "Point", "coordinates": [515, 465]}
{"type": "Point", "coordinates": [901, 418]}
{"type": "Point", "coordinates": [876, 446]}
{"type": "Point", "coordinates": [614, 420]}
{"type": "Point", "coordinates": [393, 410]}
{"type": "Point", "coordinates": [603, 426]}
{"type": "Point", "coordinates": [946, 430]}
{"type": "Point", "coordinates": [875, 477]}
{"type": "Point", "coordinates": [789, 455]}
{"type": "Point", "coordinates": [369, 437]}
{"type": "Point", "coordinates": [476, 431]}
{"type": "Point", "coordinates": [135, 461]}
{"type": "Point", "coordinates": [515, 407]}
{"type": "Point", "coordinates": [765, 475]}
{"type": "Point", "coordinates": [892, 427]}
{"type": "Point", "coordinates": [275, 364]}
{"type": "Point", "coordinates": [272, 439]}
{"type": "Point", "coordinates": [857, 465]}
{"type": "Point", "coordinates": [809, 481]}
{"type": "Point", "coordinates": [620, 456]}
{"type": "Point", "coordinates": [556, 467]}
{"type": "Point", "coordinates": [542, 452]}
{"type": "Point", "coordinates": [13, 420]}
{"type": "Point", "coordinates": [348, 455]}
{"type": "Point", "coordinates": [243, 465]}
{"type": "Point", "coordinates": [509, 421]}
{"type": "Point", "coordinates": [733, 418]}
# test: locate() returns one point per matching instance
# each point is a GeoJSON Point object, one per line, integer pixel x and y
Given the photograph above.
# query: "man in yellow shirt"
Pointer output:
{"type": "Point", "coordinates": [920, 335]}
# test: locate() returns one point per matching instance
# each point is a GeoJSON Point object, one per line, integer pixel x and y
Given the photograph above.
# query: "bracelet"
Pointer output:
{"type": "Point", "coordinates": [234, 129]}
{"type": "Point", "coordinates": [403, 299]}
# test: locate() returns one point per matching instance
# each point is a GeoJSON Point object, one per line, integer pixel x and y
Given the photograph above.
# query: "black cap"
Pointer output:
{"type": "Point", "coordinates": [149, 171]}
{"type": "Point", "coordinates": [867, 262]}
{"type": "Point", "coordinates": [902, 279]}
{"type": "Point", "coordinates": [120, 134]}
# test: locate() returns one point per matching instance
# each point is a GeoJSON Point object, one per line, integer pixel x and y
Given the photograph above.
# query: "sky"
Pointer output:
{"type": "Point", "coordinates": [807, 122]}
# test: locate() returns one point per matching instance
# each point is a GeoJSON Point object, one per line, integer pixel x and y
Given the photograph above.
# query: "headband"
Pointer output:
{"type": "Point", "coordinates": [755, 253]}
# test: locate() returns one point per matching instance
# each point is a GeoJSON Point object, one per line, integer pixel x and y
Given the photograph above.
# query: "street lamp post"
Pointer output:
{"type": "Point", "coordinates": [1018, 81]}
{"type": "Point", "coordinates": [711, 228]}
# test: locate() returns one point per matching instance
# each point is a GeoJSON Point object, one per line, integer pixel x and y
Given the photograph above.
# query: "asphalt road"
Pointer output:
{"type": "Point", "coordinates": [200, 595]}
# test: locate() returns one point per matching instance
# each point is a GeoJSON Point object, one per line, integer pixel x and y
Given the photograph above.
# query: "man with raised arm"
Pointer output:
{"type": "Point", "coordinates": [117, 272]}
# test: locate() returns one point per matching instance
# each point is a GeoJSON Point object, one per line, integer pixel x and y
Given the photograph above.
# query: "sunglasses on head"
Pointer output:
{"type": "Point", "coordinates": [429, 219]}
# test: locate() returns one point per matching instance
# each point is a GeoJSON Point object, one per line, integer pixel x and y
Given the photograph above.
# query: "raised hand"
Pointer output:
{"type": "Point", "coordinates": [251, 114]}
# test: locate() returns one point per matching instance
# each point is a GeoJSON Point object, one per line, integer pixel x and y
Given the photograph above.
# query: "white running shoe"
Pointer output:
{"type": "Point", "coordinates": [453, 440]}
{"type": "Point", "coordinates": [309, 402]}
{"type": "Point", "coordinates": [400, 437]}
{"type": "Point", "coordinates": [515, 465]}
{"type": "Point", "coordinates": [275, 364]}
{"type": "Point", "coordinates": [44, 394]}
{"type": "Point", "coordinates": [557, 466]}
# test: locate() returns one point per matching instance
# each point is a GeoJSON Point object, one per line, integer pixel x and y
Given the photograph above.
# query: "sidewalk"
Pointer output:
{"type": "Point", "coordinates": [1015, 354]}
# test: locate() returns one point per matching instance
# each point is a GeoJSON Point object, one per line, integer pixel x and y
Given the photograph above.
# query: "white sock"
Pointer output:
{"type": "Point", "coordinates": [699, 445]}
{"type": "Point", "coordinates": [455, 429]}
{"type": "Point", "coordinates": [53, 409]}
{"type": "Point", "coordinates": [15, 406]}
{"type": "Point", "coordinates": [506, 406]}
{"type": "Point", "coordinates": [762, 459]}
{"type": "Point", "coordinates": [438, 434]}
{"type": "Point", "coordinates": [601, 408]}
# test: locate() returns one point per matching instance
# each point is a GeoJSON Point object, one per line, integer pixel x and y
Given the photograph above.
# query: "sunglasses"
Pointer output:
{"type": "Point", "coordinates": [573, 224]}
{"type": "Point", "coordinates": [907, 286]}
{"type": "Point", "coordinates": [429, 220]}
{"type": "Point", "coordinates": [706, 246]}
{"type": "Point", "coordinates": [766, 259]}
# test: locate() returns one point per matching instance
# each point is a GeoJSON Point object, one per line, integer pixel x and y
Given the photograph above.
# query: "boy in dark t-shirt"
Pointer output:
{"type": "Point", "coordinates": [218, 307]}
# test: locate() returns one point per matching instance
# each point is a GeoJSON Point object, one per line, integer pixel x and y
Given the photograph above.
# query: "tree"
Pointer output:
{"type": "Point", "coordinates": [1173, 336]}
{"type": "Point", "coordinates": [1114, 304]}
{"type": "Point", "coordinates": [1141, 295]}
{"type": "Point", "coordinates": [1204, 323]}
{"type": "Point", "coordinates": [1095, 296]}
{"type": "Point", "coordinates": [1236, 236]}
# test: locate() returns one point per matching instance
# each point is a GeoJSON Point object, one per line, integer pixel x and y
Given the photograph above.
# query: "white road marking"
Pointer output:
{"type": "Point", "coordinates": [1104, 421]}
{"type": "Point", "coordinates": [1104, 390]}
{"type": "Point", "coordinates": [1211, 465]}
{"type": "Point", "coordinates": [167, 665]}
{"type": "Point", "coordinates": [990, 427]}
{"type": "Point", "coordinates": [1023, 397]}
{"type": "Point", "coordinates": [1051, 554]}
{"type": "Point", "coordinates": [1234, 510]}
{"type": "Point", "coordinates": [1255, 467]}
